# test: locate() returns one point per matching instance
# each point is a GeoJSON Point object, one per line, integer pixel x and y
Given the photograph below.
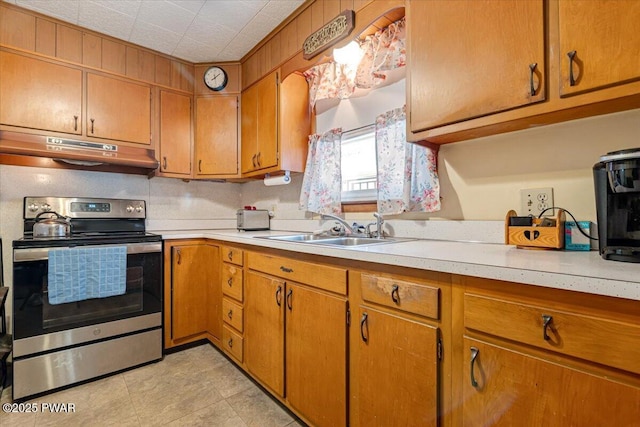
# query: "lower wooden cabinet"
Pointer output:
{"type": "Point", "coordinates": [192, 292]}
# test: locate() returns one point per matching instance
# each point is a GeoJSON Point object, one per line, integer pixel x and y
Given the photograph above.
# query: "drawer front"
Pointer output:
{"type": "Point", "coordinates": [232, 255]}
{"type": "Point", "coordinates": [333, 279]}
{"type": "Point", "coordinates": [599, 340]}
{"type": "Point", "coordinates": [232, 314]}
{"type": "Point", "coordinates": [232, 281]}
{"type": "Point", "coordinates": [406, 296]}
{"type": "Point", "coordinates": [232, 342]}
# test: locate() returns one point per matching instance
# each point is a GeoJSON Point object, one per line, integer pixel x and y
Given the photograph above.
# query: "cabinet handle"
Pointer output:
{"type": "Point", "coordinates": [532, 71]}
{"type": "Point", "coordinates": [91, 120]}
{"type": "Point", "coordinates": [363, 323]}
{"type": "Point", "coordinates": [290, 299]}
{"type": "Point", "coordinates": [75, 122]}
{"type": "Point", "coordinates": [230, 281]}
{"type": "Point", "coordinates": [230, 255]}
{"type": "Point", "coordinates": [286, 269]}
{"type": "Point", "coordinates": [179, 254]}
{"type": "Point", "coordinates": [279, 296]}
{"type": "Point", "coordinates": [230, 342]}
{"type": "Point", "coordinates": [258, 159]}
{"type": "Point", "coordinates": [395, 295]}
{"type": "Point", "coordinates": [572, 79]}
{"type": "Point", "coordinates": [200, 165]}
{"type": "Point", "coordinates": [546, 323]}
{"type": "Point", "coordinates": [253, 160]}
{"type": "Point", "coordinates": [164, 162]}
{"type": "Point", "coordinates": [474, 356]}
{"type": "Point", "coordinates": [230, 314]}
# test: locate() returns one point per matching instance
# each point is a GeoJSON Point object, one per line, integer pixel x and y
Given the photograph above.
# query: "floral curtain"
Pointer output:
{"type": "Point", "coordinates": [407, 173]}
{"type": "Point", "coordinates": [321, 184]}
{"type": "Point", "coordinates": [383, 51]}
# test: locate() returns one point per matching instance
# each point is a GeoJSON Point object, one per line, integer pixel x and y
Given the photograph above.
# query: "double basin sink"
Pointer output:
{"type": "Point", "coordinates": [322, 239]}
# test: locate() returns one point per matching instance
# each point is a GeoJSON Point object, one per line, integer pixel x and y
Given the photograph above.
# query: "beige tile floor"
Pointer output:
{"type": "Point", "coordinates": [193, 387]}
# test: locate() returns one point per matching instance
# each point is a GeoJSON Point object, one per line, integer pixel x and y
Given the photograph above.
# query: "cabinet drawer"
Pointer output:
{"type": "Point", "coordinates": [232, 342]}
{"type": "Point", "coordinates": [232, 255]}
{"type": "Point", "coordinates": [232, 281]}
{"type": "Point", "coordinates": [600, 340]}
{"type": "Point", "coordinates": [406, 296]}
{"type": "Point", "coordinates": [232, 314]}
{"type": "Point", "coordinates": [325, 277]}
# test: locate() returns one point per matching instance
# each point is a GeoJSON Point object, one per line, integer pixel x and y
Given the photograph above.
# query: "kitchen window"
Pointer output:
{"type": "Point", "coordinates": [358, 166]}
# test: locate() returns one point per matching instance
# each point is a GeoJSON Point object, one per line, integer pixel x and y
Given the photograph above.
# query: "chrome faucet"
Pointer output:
{"type": "Point", "coordinates": [379, 234]}
{"type": "Point", "coordinates": [344, 223]}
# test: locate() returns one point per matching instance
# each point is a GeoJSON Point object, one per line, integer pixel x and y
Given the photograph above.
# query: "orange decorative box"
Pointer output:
{"type": "Point", "coordinates": [543, 233]}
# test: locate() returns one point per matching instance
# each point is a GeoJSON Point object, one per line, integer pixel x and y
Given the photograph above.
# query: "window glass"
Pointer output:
{"type": "Point", "coordinates": [359, 177]}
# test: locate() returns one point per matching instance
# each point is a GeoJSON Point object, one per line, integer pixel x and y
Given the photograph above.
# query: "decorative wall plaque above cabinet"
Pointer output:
{"type": "Point", "coordinates": [332, 32]}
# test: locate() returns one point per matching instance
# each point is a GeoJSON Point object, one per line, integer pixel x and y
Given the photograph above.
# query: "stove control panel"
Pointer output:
{"type": "Point", "coordinates": [78, 207]}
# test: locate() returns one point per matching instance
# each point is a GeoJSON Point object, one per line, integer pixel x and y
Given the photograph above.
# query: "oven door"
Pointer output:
{"type": "Point", "coordinates": [33, 315]}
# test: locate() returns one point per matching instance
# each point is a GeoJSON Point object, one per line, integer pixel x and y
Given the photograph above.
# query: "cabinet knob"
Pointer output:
{"type": "Point", "coordinates": [572, 79]}
{"type": "Point", "coordinates": [474, 355]}
{"type": "Point", "coordinates": [546, 323]}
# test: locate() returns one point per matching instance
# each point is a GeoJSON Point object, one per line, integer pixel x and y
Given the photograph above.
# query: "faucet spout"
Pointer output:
{"type": "Point", "coordinates": [379, 222]}
{"type": "Point", "coordinates": [344, 223]}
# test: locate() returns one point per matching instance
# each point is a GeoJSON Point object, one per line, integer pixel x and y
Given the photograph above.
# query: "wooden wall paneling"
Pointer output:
{"type": "Point", "coordinates": [140, 64]}
{"type": "Point", "coordinates": [317, 16]}
{"type": "Point", "coordinates": [249, 71]}
{"type": "Point", "coordinates": [114, 56]}
{"type": "Point", "coordinates": [17, 29]}
{"type": "Point", "coordinates": [276, 51]}
{"type": "Point", "coordinates": [163, 71]}
{"type": "Point", "coordinates": [68, 44]}
{"type": "Point", "coordinates": [45, 37]}
{"type": "Point", "coordinates": [331, 10]}
{"type": "Point", "coordinates": [288, 40]}
{"type": "Point", "coordinates": [359, 4]}
{"type": "Point", "coordinates": [303, 27]}
{"type": "Point", "coordinates": [346, 5]}
{"type": "Point", "coordinates": [176, 74]}
{"type": "Point", "coordinates": [261, 57]}
{"type": "Point", "coordinates": [91, 50]}
{"type": "Point", "coordinates": [186, 77]}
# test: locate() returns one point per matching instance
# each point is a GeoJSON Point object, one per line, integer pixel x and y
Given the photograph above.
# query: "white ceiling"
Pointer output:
{"type": "Point", "coordinates": [194, 30]}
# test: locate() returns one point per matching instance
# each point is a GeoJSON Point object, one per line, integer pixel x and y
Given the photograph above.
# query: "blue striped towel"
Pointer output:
{"type": "Point", "coordinates": [77, 274]}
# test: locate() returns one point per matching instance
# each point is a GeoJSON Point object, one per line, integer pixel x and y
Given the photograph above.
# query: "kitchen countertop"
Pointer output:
{"type": "Point", "coordinates": [575, 271]}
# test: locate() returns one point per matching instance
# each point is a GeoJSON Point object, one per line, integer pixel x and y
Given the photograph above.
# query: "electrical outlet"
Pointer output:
{"type": "Point", "coordinates": [535, 200]}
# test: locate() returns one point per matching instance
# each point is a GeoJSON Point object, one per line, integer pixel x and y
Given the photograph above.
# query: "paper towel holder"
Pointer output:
{"type": "Point", "coordinates": [277, 180]}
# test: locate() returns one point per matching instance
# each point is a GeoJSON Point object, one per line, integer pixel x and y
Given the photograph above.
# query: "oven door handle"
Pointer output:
{"type": "Point", "coordinates": [39, 254]}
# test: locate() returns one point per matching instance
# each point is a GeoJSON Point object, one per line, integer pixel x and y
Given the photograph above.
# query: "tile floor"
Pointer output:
{"type": "Point", "coordinates": [193, 387]}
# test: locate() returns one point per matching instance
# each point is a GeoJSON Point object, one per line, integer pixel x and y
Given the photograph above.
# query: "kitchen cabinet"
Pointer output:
{"type": "Point", "coordinates": [118, 109]}
{"type": "Point", "coordinates": [193, 298]}
{"type": "Point", "coordinates": [275, 125]}
{"type": "Point", "coordinates": [39, 94]}
{"type": "Point", "coordinates": [599, 44]}
{"type": "Point", "coordinates": [549, 356]}
{"type": "Point", "coordinates": [394, 355]}
{"type": "Point", "coordinates": [232, 302]}
{"type": "Point", "coordinates": [296, 334]}
{"type": "Point", "coordinates": [495, 63]}
{"type": "Point", "coordinates": [175, 133]}
{"type": "Point", "coordinates": [216, 147]}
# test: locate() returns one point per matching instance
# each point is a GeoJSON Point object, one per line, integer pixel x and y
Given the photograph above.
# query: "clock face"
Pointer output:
{"type": "Point", "coordinates": [215, 78]}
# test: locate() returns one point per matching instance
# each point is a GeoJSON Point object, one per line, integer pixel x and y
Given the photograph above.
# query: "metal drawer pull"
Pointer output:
{"type": "Point", "coordinates": [546, 323]}
{"type": "Point", "coordinates": [75, 122]}
{"type": "Point", "coordinates": [290, 299]}
{"type": "Point", "coordinates": [230, 314]}
{"type": "Point", "coordinates": [395, 294]}
{"type": "Point", "coordinates": [179, 254]}
{"type": "Point", "coordinates": [363, 323]}
{"type": "Point", "coordinates": [279, 296]}
{"type": "Point", "coordinates": [164, 162]}
{"type": "Point", "coordinates": [285, 269]}
{"type": "Point", "coordinates": [532, 69]}
{"type": "Point", "coordinates": [474, 356]}
{"type": "Point", "coordinates": [91, 120]}
{"type": "Point", "coordinates": [230, 255]}
{"type": "Point", "coordinates": [230, 281]}
{"type": "Point", "coordinates": [253, 160]}
{"type": "Point", "coordinates": [230, 342]}
{"type": "Point", "coordinates": [572, 79]}
{"type": "Point", "coordinates": [200, 165]}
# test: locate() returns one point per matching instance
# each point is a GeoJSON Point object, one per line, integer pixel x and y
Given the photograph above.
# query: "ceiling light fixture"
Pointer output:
{"type": "Point", "coordinates": [351, 54]}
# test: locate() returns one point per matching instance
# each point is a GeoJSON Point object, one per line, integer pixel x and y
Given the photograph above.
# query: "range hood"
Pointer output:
{"type": "Point", "coordinates": [52, 151]}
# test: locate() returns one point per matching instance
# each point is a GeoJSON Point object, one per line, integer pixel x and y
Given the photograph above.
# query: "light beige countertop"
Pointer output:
{"type": "Point", "coordinates": [576, 271]}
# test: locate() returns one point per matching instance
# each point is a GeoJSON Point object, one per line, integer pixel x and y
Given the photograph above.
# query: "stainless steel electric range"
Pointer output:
{"type": "Point", "coordinates": [86, 303]}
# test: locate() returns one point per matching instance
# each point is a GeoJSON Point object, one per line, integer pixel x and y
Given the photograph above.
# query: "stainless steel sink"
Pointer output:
{"type": "Point", "coordinates": [331, 240]}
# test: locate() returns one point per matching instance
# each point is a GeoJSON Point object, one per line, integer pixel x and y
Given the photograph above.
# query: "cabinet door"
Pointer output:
{"type": "Point", "coordinates": [267, 155]}
{"type": "Point", "coordinates": [249, 128]}
{"type": "Point", "coordinates": [175, 133]}
{"type": "Point", "coordinates": [317, 355]}
{"type": "Point", "coordinates": [118, 109]}
{"type": "Point", "coordinates": [473, 58]}
{"type": "Point", "coordinates": [512, 387]}
{"type": "Point", "coordinates": [264, 329]}
{"type": "Point", "coordinates": [217, 135]}
{"type": "Point", "coordinates": [39, 95]}
{"type": "Point", "coordinates": [605, 38]}
{"type": "Point", "coordinates": [193, 303]}
{"type": "Point", "coordinates": [397, 371]}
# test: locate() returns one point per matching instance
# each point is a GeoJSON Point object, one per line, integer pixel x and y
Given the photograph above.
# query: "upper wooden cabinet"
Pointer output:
{"type": "Point", "coordinates": [41, 95]}
{"type": "Point", "coordinates": [175, 133]}
{"type": "Point", "coordinates": [216, 148]}
{"type": "Point", "coordinates": [275, 125]}
{"type": "Point", "coordinates": [599, 44]}
{"type": "Point", "coordinates": [118, 109]}
{"type": "Point", "coordinates": [472, 58]}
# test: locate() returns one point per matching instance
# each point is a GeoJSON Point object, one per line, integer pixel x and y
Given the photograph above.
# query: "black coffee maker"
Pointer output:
{"type": "Point", "coordinates": [617, 185]}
